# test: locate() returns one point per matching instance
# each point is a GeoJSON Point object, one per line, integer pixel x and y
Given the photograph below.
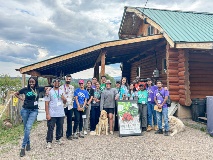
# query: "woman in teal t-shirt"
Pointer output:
{"type": "Point", "coordinates": [142, 106]}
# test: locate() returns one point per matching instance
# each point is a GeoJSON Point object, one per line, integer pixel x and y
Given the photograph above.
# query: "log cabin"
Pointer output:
{"type": "Point", "coordinates": [177, 45]}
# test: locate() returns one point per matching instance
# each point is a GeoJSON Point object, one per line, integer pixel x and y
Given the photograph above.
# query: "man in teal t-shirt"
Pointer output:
{"type": "Point", "coordinates": [142, 105]}
{"type": "Point", "coordinates": [103, 83]}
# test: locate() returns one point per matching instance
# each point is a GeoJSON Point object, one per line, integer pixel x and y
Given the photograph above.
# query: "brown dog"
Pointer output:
{"type": "Point", "coordinates": [102, 126]}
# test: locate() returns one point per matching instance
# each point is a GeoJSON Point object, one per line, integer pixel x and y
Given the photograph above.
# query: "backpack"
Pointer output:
{"type": "Point", "coordinates": [168, 102]}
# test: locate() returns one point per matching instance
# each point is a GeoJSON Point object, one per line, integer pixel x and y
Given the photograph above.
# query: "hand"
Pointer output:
{"type": "Point", "coordinates": [160, 106]}
{"type": "Point", "coordinates": [79, 109]}
{"type": "Point", "coordinates": [22, 99]}
{"type": "Point", "coordinates": [116, 98]}
{"type": "Point", "coordinates": [48, 117]}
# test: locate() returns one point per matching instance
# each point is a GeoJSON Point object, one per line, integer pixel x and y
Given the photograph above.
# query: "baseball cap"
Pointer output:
{"type": "Point", "coordinates": [108, 82]}
{"type": "Point", "coordinates": [148, 79]}
{"type": "Point", "coordinates": [81, 81]}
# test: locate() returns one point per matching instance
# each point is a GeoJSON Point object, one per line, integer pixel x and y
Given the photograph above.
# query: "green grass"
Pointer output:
{"type": "Point", "coordinates": [12, 135]}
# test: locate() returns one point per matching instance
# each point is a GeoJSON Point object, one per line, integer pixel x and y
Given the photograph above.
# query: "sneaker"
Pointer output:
{"type": "Point", "coordinates": [59, 142]}
{"type": "Point", "coordinates": [160, 131]}
{"type": "Point", "coordinates": [49, 145]}
{"type": "Point", "coordinates": [166, 133]}
{"type": "Point", "coordinates": [149, 128]}
{"type": "Point", "coordinates": [75, 136]}
{"type": "Point", "coordinates": [92, 133]}
{"type": "Point", "coordinates": [69, 138]}
{"type": "Point", "coordinates": [28, 147]}
{"type": "Point", "coordinates": [85, 132]}
{"type": "Point", "coordinates": [155, 127]}
{"type": "Point", "coordinates": [22, 152]}
{"type": "Point", "coordinates": [81, 134]}
{"type": "Point", "coordinates": [111, 132]}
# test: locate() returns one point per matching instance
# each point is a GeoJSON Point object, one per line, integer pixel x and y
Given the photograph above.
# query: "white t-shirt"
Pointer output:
{"type": "Point", "coordinates": [56, 108]}
{"type": "Point", "coordinates": [69, 95]}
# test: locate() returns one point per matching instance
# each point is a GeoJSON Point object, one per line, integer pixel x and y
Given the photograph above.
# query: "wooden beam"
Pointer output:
{"type": "Point", "coordinates": [98, 60]}
{"type": "Point", "coordinates": [49, 80]}
{"type": "Point", "coordinates": [96, 71]}
{"type": "Point", "coordinates": [34, 73]}
{"type": "Point", "coordinates": [103, 57]}
{"type": "Point", "coordinates": [152, 48]}
{"type": "Point", "coordinates": [85, 51]}
{"type": "Point", "coordinates": [23, 80]}
{"type": "Point", "coordinates": [152, 23]}
{"type": "Point", "coordinates": [195, 45]}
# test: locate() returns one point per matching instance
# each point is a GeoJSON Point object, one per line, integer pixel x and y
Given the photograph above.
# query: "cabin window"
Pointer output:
{"type": "Point", "coordinates": [150, 30]}
{"type": "Point", "coordinates": [164, 66]}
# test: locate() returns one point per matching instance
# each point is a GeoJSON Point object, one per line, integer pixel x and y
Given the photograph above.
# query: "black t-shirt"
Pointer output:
{"type": "Point", "coordinates": [30, 97]}
{"type": "Point", "coordinates": [90, 92]}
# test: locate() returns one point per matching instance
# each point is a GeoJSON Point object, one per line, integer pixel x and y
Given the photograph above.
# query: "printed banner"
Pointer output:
{"type": "Point", "coordinates": [128, 118]}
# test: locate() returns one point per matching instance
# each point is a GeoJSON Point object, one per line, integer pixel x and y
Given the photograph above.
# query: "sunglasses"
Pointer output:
{"type": "Point", "coordinates": [80, 83]}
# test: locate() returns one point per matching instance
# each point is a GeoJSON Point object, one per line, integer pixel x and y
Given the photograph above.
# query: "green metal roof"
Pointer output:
{"type": "Point", "coordinates": [182, 26]}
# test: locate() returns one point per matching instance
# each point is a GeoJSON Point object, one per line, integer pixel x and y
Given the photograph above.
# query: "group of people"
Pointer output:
{"type": "Point", "coordinates": [86, 102]}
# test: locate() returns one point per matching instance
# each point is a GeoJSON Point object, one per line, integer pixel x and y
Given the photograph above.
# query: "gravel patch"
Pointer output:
{"type": "Point", "coordinates": [190, 145]}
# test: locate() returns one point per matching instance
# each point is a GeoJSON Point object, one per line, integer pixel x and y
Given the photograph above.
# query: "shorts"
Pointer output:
{"type": "Point", "coordinates": [109, 110]}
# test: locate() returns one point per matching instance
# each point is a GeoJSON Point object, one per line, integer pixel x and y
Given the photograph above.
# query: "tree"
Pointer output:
{"type": "Point", "coordinates": [8, 83]}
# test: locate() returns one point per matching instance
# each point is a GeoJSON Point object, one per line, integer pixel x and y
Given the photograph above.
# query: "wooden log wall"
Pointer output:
{"type": "Point", "coordinates": [172, 72]}
{"type": "Point", "coordinates": [148, 65]}
{"type": "Point", "coordinates": [178, 75]}
{"type": "Point", "coordinates": [184, 84]}
{"type": "Point", "coordinates": [201, 73]}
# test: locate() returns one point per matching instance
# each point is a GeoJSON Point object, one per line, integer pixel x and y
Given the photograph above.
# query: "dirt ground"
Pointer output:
{"type": "Point", "coordinates": [190, 145]}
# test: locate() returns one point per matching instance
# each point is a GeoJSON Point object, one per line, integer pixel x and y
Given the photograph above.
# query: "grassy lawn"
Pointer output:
{"type": "Point", "coordinates": [11, 135]}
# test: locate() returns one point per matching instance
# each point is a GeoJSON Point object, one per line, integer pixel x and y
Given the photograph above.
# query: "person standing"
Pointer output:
{"type": "Point", "coordinates": [88, 105]}
{"type": "Point", "coordinates": [118, 87]}
{"type": "Point", "coordinates": [103, 83]}
{"type": "Point", "coordinates": [54, 107]}
{"type": "Point", "coordinates": [150, 105]}
{"type": "Point", "coordinates": [124, 88]}
{"type": "Point", "coordinates": [29, 109]}
{"type": "Point", "coordinates": [131, 94]}
{"type": "Point", "coordinates": [94, 81]}
{"type": "Point", "coordinates": [142, 104]}
{"type": "Point", "coordinates": [79, 106]}
{"type": "Point", "coordinates": [68, 107]}
{"type": "Point", "coordinates": [95, 109]}
{"type": "Point", "coordinates": [108, 97]}
{"type": "Point", "coordinates": [160, 97]}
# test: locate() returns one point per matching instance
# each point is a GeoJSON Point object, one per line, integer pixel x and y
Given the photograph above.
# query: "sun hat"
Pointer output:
{"type": "Point", "coordinates": [108, 82]}
{"type": "Point", "coordinates": [81, 81]}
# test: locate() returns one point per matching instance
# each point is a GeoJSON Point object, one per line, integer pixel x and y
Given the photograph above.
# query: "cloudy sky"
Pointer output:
{"type": "Point", "coordinates": [35, 30]}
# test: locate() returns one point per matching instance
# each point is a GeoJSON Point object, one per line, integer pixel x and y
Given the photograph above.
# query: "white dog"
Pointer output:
{"type": "Point", "coordinates": [175, 125]}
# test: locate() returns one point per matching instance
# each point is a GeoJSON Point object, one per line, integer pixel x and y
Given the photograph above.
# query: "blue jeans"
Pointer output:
{"type": "Point", "coordinates": [151, 112]}
{"type": "Point", "coordinates": [164, 113]}
{"type": "Point", "coordinates": [28, 116]}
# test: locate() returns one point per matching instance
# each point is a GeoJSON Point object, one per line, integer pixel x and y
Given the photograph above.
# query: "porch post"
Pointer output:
{"type": "Point", "coordinates": [23, 80]}
{"type": "Point", "coordinates": [49, 80]}
{"type": "Point", "coordinates": [96, 71]}
{"type": "Point", "coordinates": [103, 56]}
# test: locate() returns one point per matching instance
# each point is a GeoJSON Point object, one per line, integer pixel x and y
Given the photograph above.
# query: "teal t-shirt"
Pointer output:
{"type": "Point", "coordinates": [102, 87]}
{"type": "Point", "coordinates": [142, 97]}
